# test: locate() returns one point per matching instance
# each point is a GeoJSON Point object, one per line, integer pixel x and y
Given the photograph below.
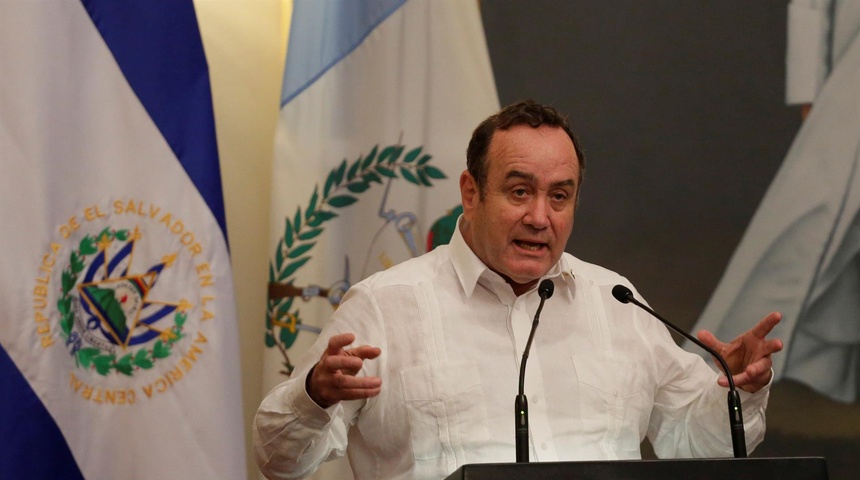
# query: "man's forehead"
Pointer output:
{"type": "Point", "coordinates": [561, 180]}
{"type": "Point", "coordinates": [522, 142]}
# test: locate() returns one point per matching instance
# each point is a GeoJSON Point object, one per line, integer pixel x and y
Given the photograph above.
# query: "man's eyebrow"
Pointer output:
{"type": "Point", "coordinates": [532, 178]}
{"type": "Point", "coordinates": [523, 175]}
{"type": "Point", "coordinates": [564, 183]}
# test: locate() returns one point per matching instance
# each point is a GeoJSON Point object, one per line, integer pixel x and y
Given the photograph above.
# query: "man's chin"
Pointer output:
{"type": "Point", "coordinates": [527, 276]}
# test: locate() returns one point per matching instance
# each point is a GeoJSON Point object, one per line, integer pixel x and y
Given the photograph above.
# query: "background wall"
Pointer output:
{"type": "Point", "coordinates": [679, 107]}
{"type": "Point", "coordinates": [245, 44]}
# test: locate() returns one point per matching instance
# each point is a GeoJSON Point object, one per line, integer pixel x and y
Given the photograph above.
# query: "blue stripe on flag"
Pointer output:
{"type": "Point", "coordinates": [172, 83]}
{"type": "Point", "coordinates": [39, 451]}
{"type": "Point", "coordinates": [344, 25]}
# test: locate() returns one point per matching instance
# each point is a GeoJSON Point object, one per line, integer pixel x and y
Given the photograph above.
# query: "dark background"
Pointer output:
{"type": "Point", "coordinates": [679, 105]}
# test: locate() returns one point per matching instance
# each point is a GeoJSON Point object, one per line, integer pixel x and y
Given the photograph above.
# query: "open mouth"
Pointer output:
{"type": "Point", "coordinates": [531, 246]}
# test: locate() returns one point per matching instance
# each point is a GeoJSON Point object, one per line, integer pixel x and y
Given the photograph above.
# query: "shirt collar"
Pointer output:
{"type": "Point", "coordinates": [469, 267]}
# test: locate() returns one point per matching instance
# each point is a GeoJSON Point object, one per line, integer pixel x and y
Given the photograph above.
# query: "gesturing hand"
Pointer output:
{"type": "Point", "coordinates": [748, 355]}
{"type": "Point", "coordinates": [333, 378]}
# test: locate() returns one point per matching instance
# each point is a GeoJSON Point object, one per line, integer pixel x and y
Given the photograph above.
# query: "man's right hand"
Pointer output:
{"type": "Point", "coordinates": [333, 378]}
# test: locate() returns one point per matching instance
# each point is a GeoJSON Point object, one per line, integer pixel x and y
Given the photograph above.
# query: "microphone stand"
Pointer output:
{"type": "Point", "coordinates": [521, 404]}
{"type": "Point", "coordinates": [736, 418]}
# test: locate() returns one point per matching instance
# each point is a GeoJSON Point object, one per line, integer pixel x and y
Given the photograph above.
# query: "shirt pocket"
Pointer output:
{"type": "Point", "coordinates": [614, 397]}
{"type": "Point", "coordinates": [446, 411]}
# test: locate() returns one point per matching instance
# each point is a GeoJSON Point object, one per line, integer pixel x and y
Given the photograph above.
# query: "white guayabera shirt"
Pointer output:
{"type": "Point", "coordinates": [601, 376]}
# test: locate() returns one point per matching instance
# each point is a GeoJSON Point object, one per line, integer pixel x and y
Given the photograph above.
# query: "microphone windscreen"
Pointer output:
{"type": "Point", "coordinates": [546, 288]}
{"type": "Point", "coordinates": [621, 293]}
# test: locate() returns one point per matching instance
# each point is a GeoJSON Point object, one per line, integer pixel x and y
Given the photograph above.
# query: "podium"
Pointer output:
{"type": "Point", "coordinates": [790, 468]}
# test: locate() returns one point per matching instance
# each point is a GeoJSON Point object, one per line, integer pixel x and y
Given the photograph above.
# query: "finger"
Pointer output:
{"type": "Point", "coordinates": [365, 352]}
{"type": "Point", "coordinates": [709, 339]}
{"type": "Point", "coordinates": [335, 388]}
{"type": "Point", "coordinates": [773, 346]}
{"type": "Point", "coordinates": [756, 373]}
{"type": "Point", "coordinates": [349, 382]}
{"type": "Point", "coordinates": [766, 324]}
{"type": "Point", "coordinates": [334, 363]}
{"type": "Point", "coordinates": [760, 367]}
{"type": "Point", "coordinates": [337, 342]}
{"type": "Point", "coordinates": [762, 378]}
{"type": "Point", "coordinates": [723, 381]}
{"type": "Point", "coordinates": [355, 394]}
{"type": "Point", "coordinates": [739, 380]}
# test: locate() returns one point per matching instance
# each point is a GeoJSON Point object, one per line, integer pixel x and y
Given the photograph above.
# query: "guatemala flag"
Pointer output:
{"type": "Point", "coordinates": [378, 104]}
{"type": "Point", "coordinates": [118, 343]}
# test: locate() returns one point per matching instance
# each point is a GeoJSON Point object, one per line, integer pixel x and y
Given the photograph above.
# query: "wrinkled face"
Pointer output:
{"type": "Point", "coordinates": [520, 225]}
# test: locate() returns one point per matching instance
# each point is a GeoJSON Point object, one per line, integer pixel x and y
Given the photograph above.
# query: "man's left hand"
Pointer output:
{"type": "Point", "coordinates": [748, 355]}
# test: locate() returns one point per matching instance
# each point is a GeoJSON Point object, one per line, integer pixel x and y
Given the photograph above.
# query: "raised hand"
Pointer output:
{"type": "Point", "coordinates": [334, 377]}
{"type": "Point", "coordinates": [748, 355]}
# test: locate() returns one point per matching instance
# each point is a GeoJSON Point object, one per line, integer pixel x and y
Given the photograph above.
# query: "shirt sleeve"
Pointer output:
{"type": "Point", "coordinates": [292, 435]}
{"type": "Point", "coordinates": [807, 49]}
{"type": "Point", "coordinates": [690, 418]}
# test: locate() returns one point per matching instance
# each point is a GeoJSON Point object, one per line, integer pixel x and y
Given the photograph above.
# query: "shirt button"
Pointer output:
{"type": "Point", "coordinates": [535, 400]}
{"type": "Point", "coordinates": [543, 445]}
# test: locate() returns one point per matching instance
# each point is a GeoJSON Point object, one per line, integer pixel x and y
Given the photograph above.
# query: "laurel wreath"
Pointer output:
{"type": "Point", "coordinates": [342, 185]}
{"type": "Point", "coordinates": [102, 361]}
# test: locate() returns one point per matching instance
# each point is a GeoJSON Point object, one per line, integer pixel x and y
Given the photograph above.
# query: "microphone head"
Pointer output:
{"type": "Point", "coordinates": [622, 293]}
{"type": "Point", "coordinates": [546, 288]}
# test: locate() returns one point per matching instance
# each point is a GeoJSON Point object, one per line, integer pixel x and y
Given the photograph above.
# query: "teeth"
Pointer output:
{"type": "Point", "coordinates": [530, 246]}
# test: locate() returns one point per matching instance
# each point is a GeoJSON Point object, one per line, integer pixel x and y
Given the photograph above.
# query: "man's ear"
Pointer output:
{"type": "Point", "coordinates": [469, 194]}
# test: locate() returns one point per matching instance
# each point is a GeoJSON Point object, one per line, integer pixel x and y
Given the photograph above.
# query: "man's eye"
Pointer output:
{"type": "Point", "coordinates": [519, 192]}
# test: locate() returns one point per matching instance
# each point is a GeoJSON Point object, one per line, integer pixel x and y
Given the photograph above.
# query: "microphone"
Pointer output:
{"type": "Point", "coordinates": [736, 418]}
{"type": "Point", "coordinates": [521, 405]}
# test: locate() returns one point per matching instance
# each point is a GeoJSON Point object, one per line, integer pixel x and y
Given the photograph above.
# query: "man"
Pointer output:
{"type": "Point", "coordinates": [433, 382]}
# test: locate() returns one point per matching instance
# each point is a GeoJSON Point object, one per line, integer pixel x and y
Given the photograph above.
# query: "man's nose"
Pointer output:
{"type": "Point", "coordinates": [538, 213]}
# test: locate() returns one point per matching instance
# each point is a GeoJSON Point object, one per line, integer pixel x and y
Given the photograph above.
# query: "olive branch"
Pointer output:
{"type": "Point", "coordinates": [340, 190]}
{"type": "Point", "coordinates": [142, 358]}
{"type": "Point", "coordinates": [77, 260]}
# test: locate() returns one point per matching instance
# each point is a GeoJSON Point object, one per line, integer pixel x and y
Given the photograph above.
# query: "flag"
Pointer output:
{"type": "Point", "coordinates": [378, 104]}
{"type": "Point", "coordinates": [118, 342]}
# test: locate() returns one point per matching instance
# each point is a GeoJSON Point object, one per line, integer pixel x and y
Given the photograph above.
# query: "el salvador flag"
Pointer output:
{"type": "Point", "coordinates": [118, 342]}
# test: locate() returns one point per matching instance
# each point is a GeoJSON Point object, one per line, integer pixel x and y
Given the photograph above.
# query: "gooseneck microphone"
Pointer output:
{"type": "Point", "coordinates": [521, 405]}
{"type": "Point", "coordinates": [736, 418]}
